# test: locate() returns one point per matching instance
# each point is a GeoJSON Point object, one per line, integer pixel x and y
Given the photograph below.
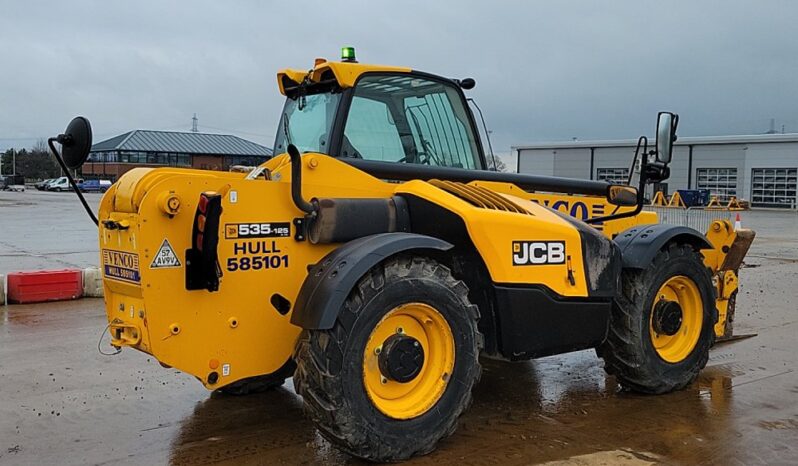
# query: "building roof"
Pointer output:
{"type": "Point", "coordinates": [682, 141]}
{"type": "Point", "coordinates": [181, 142]}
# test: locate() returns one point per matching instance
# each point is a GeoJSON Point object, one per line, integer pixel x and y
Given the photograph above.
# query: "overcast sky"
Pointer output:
{"type": "Point", "coordinates": [544, 70]}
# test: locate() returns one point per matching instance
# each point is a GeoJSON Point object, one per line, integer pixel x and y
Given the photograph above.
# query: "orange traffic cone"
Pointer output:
{"type": "Point", "coordinates": [737, 223]}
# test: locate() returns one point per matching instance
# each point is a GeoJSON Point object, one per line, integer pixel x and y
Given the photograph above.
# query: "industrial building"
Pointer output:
{"type": "Point", "coordinates": [758, 168]}
{"type": "Point", "coordinates": [111, 158]}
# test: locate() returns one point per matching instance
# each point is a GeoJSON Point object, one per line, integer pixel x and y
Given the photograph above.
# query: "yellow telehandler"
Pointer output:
{"type": "Point", "coordinates": [375, 259]}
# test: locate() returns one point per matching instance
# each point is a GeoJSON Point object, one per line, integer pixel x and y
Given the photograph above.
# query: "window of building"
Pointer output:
{"type": "Point", "coordinates": [613, 175]}
{"type": "Point", "coordinates": [245, 160]}
{"type": "Point", "coordinates": [721, 182]}
{"type": "Point", "coordinates": [773, 187]}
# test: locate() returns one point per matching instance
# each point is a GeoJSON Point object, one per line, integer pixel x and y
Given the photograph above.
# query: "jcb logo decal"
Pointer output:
{"type": "Point", "coordinates": [257, 230]}
{"type": "Point", "coordinates": [538, 252]}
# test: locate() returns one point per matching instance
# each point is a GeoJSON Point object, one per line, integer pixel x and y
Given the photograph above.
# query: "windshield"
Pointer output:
{"type": "Point", "coordinates": [409, 119]}
{"type": "Point", "coordinates": [309, 121]}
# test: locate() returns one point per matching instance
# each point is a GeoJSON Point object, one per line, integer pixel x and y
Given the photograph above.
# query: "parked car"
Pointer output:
{"type": "Point", "coordinates": [42, 185]}
{"type": "Point", "coordinates": [12, 183]}
{"type": "Point", "coordinates": [62, 184]}
{"type": "Point", "coordinates": [94, 186]}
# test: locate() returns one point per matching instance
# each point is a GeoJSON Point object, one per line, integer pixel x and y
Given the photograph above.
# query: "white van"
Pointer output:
{"type": "Point", "coordinates": [62, 184]}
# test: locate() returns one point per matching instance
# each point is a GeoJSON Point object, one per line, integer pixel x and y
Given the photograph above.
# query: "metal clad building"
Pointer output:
{"type": "Point", "coordinates": [143, 148]}
{"type": "Point", "coordinates": [758, 168]}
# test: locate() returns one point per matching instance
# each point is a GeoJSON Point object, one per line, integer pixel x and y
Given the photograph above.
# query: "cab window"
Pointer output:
{"type": "Point", "coordinates": [409, 119]}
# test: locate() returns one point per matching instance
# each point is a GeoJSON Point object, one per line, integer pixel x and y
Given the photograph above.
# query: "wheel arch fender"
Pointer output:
{"type": "Point", "coordinates": [641, 243]}
{"type": "Point", "coordinates": [330, 281]}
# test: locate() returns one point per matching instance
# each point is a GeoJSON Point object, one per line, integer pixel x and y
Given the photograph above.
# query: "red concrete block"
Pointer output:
{"type": "Point", "coordinates": [44, 285]}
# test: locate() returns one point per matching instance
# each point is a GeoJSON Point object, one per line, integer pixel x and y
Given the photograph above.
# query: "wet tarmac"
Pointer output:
{"type": "Point", "coordinates": [61, 402]}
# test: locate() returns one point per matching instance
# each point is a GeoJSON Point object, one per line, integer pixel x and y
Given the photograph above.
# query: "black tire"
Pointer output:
{"type": "Point", "coordinates": [261, 383]}
{"type": "Point", "coordinates": [330, 371]}
{"type": "Point", "coordinates": [628, 351]}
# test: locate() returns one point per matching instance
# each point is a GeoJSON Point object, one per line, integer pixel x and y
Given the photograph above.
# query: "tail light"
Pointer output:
{"type": "Point", "coordinates": [202, 260]}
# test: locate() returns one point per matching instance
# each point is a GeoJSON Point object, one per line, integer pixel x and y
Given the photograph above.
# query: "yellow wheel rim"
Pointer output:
{"type": "Point", "coordinates": [684, 292]}
{"type": "Point", "coordinates": [410, 399]}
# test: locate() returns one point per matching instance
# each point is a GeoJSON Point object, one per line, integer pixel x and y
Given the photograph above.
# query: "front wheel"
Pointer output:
{"type": "Point", "coordinates": [394, 374]}
{"type": "Point", "coordinates": [662, 323]}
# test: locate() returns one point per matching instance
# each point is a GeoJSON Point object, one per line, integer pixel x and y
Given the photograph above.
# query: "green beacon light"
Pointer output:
{"type": "Point", "coordinates": [348, 54]}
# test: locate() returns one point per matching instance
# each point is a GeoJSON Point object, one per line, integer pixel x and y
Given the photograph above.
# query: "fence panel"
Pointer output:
{"type": "Point", "coordinates": [697, 218]}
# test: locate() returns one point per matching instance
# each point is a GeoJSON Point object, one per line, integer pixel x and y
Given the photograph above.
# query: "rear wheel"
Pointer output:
{"type": "Point", "coordinates": [394, 374]}
{"type": "Point", "coordinates": [662, 323]}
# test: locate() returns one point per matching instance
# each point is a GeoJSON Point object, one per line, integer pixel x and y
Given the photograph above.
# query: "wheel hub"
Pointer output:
{"type": "Point", "coordinates": [401, 358]}
{"type": "Point", "coordinates": [667, 319]}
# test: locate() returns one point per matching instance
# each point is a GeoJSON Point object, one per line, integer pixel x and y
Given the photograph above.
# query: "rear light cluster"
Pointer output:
{"type": "Point", "coordinates": [200, 220]}
{"type": "Point", "coordinates": [202, 260]}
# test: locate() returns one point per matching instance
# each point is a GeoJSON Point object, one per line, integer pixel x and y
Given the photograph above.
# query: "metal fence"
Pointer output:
{"type": "Point", "coordinates": [697, 218]}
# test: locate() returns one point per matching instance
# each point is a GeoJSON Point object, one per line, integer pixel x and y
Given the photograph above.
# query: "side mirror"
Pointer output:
{"type": "Point", "coordinates": [666, 135]}
{"type": "Point", "coordinates": [623, 196]}
{"type": "Point", "coordinates": [467, 83]}
{"type": "Point", "coordinates": [76, 142]}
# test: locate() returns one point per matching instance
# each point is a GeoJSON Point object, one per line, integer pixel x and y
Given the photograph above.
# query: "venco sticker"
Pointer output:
{"type": "Point", "coordinates": [123, 266]}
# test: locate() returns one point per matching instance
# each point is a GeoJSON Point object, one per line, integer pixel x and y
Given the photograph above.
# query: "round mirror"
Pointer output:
{"type": "Point", "coordinates": [76, 143]}
{"type": "Point", "coordinates": [666, 132]}
{"type": "Point", "coordinates": [468, 83]}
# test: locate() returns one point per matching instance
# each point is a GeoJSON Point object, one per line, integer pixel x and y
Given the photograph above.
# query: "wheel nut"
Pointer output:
{"type": "Point", "coordinates": [378, 350]}
{"type": "Point", "coordinates": [383, 380]}
{"type": "Point", "coordinates": [400, 330]}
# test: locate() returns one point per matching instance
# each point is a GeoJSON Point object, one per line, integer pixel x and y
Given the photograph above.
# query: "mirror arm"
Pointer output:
{"type": "Point", "coordinates": [61, 139]}
{"type": "Point", "coordinates": [642, 142]}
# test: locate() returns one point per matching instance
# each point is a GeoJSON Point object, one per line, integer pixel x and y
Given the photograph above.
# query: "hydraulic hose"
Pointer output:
{"type": "Point", "coordinates": [296, 181]}
{"type": "Point", "coordinates": [71, 180]}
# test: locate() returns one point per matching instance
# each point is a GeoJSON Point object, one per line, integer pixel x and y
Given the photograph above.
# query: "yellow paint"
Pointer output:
{"type": "Point", "coordinates": [682, 290]}
{"type": "Point", "coordinates": [493, 233]}
{"type": "Point", "coordinates": [262, 339]}
{"type": "Point", "coordinates": [727, 284]}
{"type": "Point", "coordinates": [237, 326]}
{"type": "Point", "coordinates": [677, 201]}
{"type": "Point", "coordinates": [411, 399]}
{"type": "Point", "coordinates": [721, 235]}
{"type": "Point", "coordinates": [581, 207]}
{"type": "Point", "coordinates": [659, 199]}
{"type": "Point", "coordinates": [345, 74]}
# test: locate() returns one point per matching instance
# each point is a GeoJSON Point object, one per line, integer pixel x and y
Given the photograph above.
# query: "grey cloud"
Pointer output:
{"type": "Point", "coordinates": [544, 70]}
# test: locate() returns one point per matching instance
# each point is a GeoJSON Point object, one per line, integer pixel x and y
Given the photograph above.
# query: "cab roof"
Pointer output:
{"type": "Point", "coordinates": [344, 74]}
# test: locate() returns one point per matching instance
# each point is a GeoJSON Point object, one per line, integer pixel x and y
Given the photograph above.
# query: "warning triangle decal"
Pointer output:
{"type": "Point", "coordinates": [165, 257]}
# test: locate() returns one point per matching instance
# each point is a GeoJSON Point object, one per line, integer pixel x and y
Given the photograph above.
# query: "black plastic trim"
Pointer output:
{"type": "Point", "coordinates": [403, 171]}
{"type": "Point", "coordinates": [330, 281]}
{"type": "Point", "coordinates": [535, 322]}
{"type": "Point", "coordinates": [641, 243]}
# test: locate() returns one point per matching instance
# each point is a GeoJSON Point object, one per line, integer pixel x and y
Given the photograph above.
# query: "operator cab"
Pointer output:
{"type": "Point", "coordinates": [382, 114]}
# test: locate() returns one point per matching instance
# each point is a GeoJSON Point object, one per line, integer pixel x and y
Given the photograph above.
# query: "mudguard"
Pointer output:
{"type": "Point", "coordinates": [641, 243]}
{"type": "Point", "coordinates": [330, 281]}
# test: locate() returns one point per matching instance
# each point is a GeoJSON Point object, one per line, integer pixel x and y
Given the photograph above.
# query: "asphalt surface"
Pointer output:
{"type": "Point", "coordinates": [61, 402]}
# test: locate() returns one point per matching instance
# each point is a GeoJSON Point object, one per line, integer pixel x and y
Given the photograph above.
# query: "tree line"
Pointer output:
{"type": "Point", "coordinates": [36, 163]}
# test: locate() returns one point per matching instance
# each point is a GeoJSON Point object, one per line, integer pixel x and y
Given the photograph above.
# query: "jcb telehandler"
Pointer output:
{"type": "Point", "coordinates": [375, 259]}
